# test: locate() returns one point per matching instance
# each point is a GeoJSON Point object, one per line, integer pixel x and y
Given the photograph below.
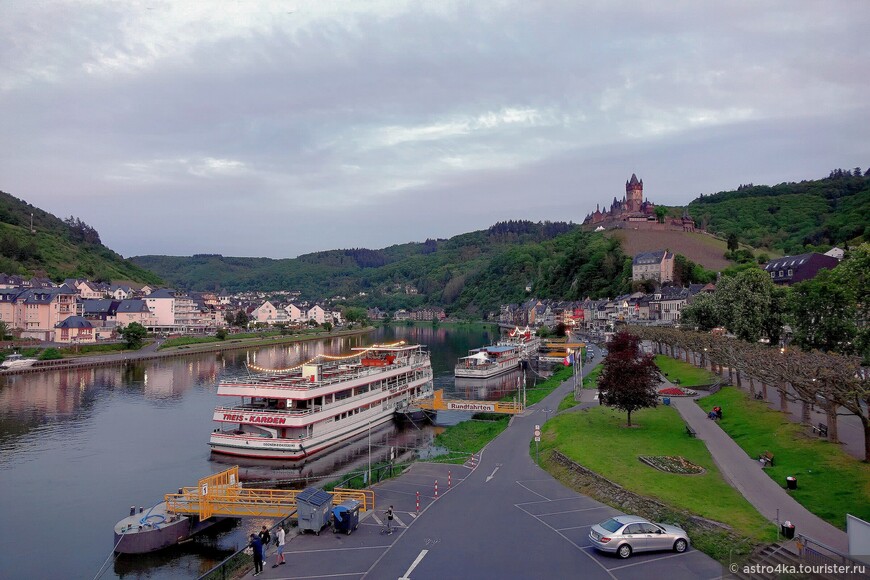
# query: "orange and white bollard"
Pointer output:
{"type": "Point", "coordinates": [449, 480]}
{"type": "Point", "coordinates": [436, 489]}
{"type": "Point", "coordinates": [418, 503]}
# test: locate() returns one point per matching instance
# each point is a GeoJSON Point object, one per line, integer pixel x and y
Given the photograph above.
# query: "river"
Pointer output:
{"type": "Point", "coordinates": [79, 447]}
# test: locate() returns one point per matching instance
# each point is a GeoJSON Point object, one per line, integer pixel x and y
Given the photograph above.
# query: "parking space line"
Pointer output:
{"type": "Point", "coordinates": [577, 510]}
{"type": "Point", "coordinates": [338, 549]}
{"type": "Point", "coordinates": [570, 541]}
{"type": "Point", "coordinates": [377, 519]}
{"type": "Point", "coordinates": [575, 527]}
{"type": "Point", "coordinates": [329, 575]}
{"type": "Point", "coordinates": [533, 491]}
{"type": "Point", "coordinates": [401, 523]}
{"type": "Point", "coordinates": [647, 561]}
{"type": "Point", "coordinates": [546, 500]}
{"type": "Point", "coordinates": [388, 490]}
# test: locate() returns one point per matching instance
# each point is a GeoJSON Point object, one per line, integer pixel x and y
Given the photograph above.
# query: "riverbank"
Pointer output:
{"type": "Point", "coordinates": [177, 351]}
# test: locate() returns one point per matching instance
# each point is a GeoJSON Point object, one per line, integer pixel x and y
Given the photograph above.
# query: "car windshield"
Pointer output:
{"type": "Point", "coordinates": [610, 525]}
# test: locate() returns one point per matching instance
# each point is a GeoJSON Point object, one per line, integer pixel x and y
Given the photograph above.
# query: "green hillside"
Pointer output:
{"type": "Point", "coordinates": [473, 272]}
{"type": "Point", "coordinates": [58, 248]}
{"type": "Point", "coordinates": [792, 217]}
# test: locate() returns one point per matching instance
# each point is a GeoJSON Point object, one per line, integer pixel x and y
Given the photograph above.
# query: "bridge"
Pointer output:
{"type": "Point", "coordinates": [222, 494]}
{"type": "Point", "coordinates": [439, 403]}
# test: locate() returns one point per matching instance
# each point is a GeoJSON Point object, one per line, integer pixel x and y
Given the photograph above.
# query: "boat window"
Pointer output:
{"type": "Point", "coordinates": [341, 395]}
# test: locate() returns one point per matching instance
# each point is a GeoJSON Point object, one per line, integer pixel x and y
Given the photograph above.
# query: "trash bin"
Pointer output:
{"type": "Point", "coordinates": [666, 400]}
{"type": "Point", "coordinates": [788, 530]}
{"type": "Point", "coordinates": [791, 482]}
{"type": "Point", "coordinates": [345, 517]}
{"type": "Point", "coordinates": [313, 506]}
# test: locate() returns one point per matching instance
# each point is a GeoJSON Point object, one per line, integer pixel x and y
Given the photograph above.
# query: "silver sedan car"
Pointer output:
{"type": "Point", "coordinates": [627, 534]}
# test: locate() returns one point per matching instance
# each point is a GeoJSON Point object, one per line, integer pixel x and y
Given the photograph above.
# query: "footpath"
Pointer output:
{"type": "Point", "coordinates": [502, 517]}
{"type": "Point", "coordinates": [748, 477]}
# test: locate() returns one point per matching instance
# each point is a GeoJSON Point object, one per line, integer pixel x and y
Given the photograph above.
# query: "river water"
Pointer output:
{"type": "Point", "coordinates": [79, 447]}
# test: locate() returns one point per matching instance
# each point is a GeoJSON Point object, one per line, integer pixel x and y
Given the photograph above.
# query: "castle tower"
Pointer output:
{"type": "Point", "coordinates": [633, 193]}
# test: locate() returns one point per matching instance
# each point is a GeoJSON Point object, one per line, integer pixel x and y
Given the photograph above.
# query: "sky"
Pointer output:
{"type": "Point", "coordinates": [278, 128]}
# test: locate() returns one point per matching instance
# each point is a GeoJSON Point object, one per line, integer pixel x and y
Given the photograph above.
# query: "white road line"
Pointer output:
{"type": "Point", "coordinates": [575, 527]}
{"type": "Point", "coordinates": [533, 491]}
{"type": "Point", "coordinates": [420, 557]}
{"type": "Point", "coordinates": [652, 560]}
{"type": "Point", "coordinates": [377, 519]}
{"type": "Point", "coordinates": [401, 523]}
{"type": "Point", "coordinates": [577, 510]}
{"type": "Point", "coordinates": [490, 476]}
{"type": "Point", "coordinates": [547, 500]}
{"type": "Point", "coordinates": [412, 514]}
{"type": "Point", "coordinates": [570, 541]}
{"type": "Point", "coordinates": [336, 550]}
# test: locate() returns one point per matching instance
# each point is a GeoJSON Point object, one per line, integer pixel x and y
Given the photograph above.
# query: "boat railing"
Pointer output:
{"type": "Point", "coordinates": [298, 383]}
{"type": "Point", "coordinates": [253, 409]}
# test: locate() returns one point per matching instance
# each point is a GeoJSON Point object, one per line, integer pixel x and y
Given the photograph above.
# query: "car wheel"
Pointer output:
{"type": "Point", "coordinates": [624, 551]}
{"type": "Point", "coordinates": [680, 545]}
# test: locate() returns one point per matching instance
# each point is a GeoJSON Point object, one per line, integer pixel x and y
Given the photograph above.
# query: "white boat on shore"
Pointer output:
{"type": "Point", "coordinates": [291, 413]}
{"type": "Point", "coordinates": [488, 361]}
{"type": "Point", "coordinates": [16, 361]}
{"type": "Point", "coordinates": [525, 339]}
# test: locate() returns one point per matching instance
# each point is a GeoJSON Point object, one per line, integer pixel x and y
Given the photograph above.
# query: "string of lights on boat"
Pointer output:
{"type": "Point", "coordinates": [260, 369]}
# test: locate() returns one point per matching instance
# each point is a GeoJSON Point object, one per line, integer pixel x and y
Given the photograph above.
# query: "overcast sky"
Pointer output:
{"type": "Point", "coordinates": [280, 128]}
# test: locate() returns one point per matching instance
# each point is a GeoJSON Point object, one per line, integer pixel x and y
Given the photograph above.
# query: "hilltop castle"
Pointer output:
{"type": "Point", "coordinates": [635, 212]}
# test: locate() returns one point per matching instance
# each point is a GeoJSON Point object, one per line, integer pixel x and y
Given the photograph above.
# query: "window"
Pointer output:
{"type": "Point", "coordinates": [790, 272]}
{"type": "Point", "coordinates": [780, 273]}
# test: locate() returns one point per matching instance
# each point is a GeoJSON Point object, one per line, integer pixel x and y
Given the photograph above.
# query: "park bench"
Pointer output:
{"type": "Point", "coordinates": [691, 432]}
{"type": "Point", "coordinates": [766, 458]}
{"type": "Point", "coordinates": [822, 430]}
{"type": "Point", "coordinates": [759, 396]}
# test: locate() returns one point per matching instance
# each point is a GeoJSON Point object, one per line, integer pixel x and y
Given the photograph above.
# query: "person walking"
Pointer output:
{"type": "Point", "coordinates": [257, 546]}
{"type": "Point", "coordinates": [279, 556]}
{"type": "Point", "coordinates": [389, 514]}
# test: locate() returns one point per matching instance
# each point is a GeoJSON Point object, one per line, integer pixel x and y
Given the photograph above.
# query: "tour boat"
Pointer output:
{"type": "Point", "coordinates": [292, 413]}
{"type": "Point", "coordinates": [523, 338]}
{"type": "Point", "coordinates": [488, 361]}
{"type": "Point", "coordinates": [16, 361]}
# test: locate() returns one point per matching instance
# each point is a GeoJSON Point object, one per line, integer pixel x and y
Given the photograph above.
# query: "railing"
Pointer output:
{"type": "Point", "coordinates": [817, 553]}
{"type": "Point", "coordinates": [298, 383]}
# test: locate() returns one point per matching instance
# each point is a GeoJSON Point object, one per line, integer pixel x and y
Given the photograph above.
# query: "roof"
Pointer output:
{"type": "Point", "coordinates": [649, 257]}
{"type": "Point", "coordinates": [99, 306]}
{"type": "Point", "coordinates": [75, 322]}
{"type": "Point", "coordinates": [127, 306]}
{"type": "Point", "coordinates": [163, 293]}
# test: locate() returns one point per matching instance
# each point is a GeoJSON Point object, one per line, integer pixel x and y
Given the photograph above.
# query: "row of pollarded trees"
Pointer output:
{"type": "Point", "coordinates": [834, 382]}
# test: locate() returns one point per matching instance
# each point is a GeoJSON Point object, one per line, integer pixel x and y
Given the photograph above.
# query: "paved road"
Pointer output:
{"type": "Point", "coordinates": [505, 518]}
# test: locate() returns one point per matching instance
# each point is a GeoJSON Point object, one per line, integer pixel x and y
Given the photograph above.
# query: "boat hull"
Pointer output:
{"type": "Point", "coordinates": [159, 531]}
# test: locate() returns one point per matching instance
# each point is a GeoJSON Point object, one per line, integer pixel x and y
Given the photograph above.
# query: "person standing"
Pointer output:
{"type": "Point", "coordinates": [389, 514]}
{"type": "Point", "coordinates": [257, 545]}
{"type": "Point", "coordinates": [279, 556]}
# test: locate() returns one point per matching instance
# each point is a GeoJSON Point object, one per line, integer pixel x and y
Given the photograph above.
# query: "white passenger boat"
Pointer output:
{"type": "Point", "coordinates": [525, 339]}
{"type": "Point", "coordinates": [488, 361]}
{"type": "Point", "coordinates": [16, 361]}
{"type": "Point", "coordinates": [291, 413]}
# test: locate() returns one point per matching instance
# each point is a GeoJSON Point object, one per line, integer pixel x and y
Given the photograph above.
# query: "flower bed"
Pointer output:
{"type": "Point", "coordinates": [672, 464]}
{"type": "Point", "coordinates": [676, 392]}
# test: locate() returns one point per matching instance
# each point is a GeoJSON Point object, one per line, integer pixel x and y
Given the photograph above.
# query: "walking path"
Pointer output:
{"type": "Point", "coordinates": [748, 477]}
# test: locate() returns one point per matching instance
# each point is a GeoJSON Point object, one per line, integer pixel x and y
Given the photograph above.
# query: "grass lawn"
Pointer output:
{"type": "Point", "coordinates": [831, 483]}
{"type": "Point", "coordinates": [599, 440]}
{"type": "Point", "coordinates": [684, 374]}
{"type": "Point", "coordinates": [539, 392]}
{"type": "Point", "coordinates": [471, 436]}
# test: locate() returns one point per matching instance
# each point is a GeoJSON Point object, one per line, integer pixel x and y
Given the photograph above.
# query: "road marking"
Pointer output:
{"type": "Point", "coordinates": [401, 523]}
{"type": "Point", "coordinates": [377, 519]}
{"type": "Point", "coordinates": [412, 514]}
{"type": "Point", "coordinates": [491, 475]}
{"type": "Point", "coordinates": [533, 491]}
{"type": "Point", "coordinates": [647, 561]}
{"type": "Point", "coordinates": [329, 576]}
{"type": "Point", "coordinates": [337, 550]}
{"type": "Point", "coordinates": [422, 555]}
{"type": "Point", "coordinates": [577, 510]}
{"type": "Point", "coordinates": [546, 500]}
{"type": "Point", "coordinates": [575, 528]}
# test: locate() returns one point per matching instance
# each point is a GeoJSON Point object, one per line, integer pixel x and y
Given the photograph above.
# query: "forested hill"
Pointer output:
{"type": "Point", "coordinates": [57, 248]}
{"type": "Point", "coordinates": [473, 272]}
{"type": "Point", "coordinates": [792, 217]}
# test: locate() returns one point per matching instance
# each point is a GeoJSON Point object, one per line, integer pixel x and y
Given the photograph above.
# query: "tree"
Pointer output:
{"type": "Point", "coordinates": [702, 312]}
{"type": "Point", "coordinates": [133, 334]}
{"type": "Point", "coordinates": [221, 334]}
{"type": "Point", "coordinates": [751, 306]}
{"type": "Point", "coordinates": [355, 314]}
{"type": "Point", "coordinates": [733, 242]}
{"type": "Point", "coordinates": [628, 378]}
{"type": "Point", "coordinates": [3, 330]}
{"type": "Point", "coordinates": [661, 212]}
{"type": "Point", "coordinates": [241, 319]}
{"type": "Point", "coordinates": [822, 314]}
{"type": "Point", "coordinates": [854, 274]}
{"type": "Point", "coordinates": [327, 326]}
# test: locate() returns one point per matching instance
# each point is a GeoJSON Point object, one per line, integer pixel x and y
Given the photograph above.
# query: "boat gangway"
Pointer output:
{"type": "Point", "coordinates": [438, 403]}
{"type": "Point", "coordinates": [222, 494]}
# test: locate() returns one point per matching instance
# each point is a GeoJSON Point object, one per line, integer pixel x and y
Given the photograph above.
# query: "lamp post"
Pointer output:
{"type": "Point", "coordinates": [369, 479]}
